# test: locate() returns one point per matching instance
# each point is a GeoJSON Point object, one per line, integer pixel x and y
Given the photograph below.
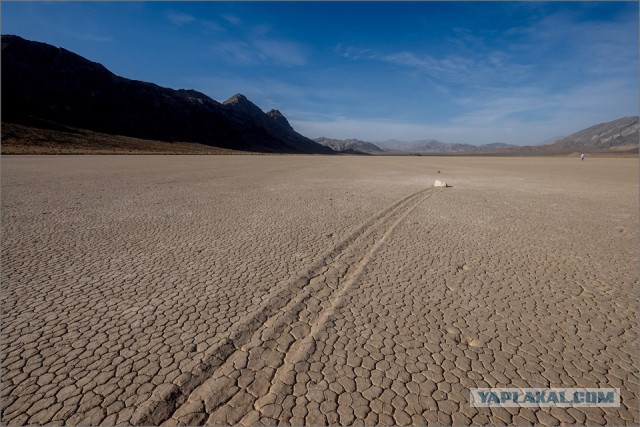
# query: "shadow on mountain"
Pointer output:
{"type": "Point", "coordinates": [53, 88]}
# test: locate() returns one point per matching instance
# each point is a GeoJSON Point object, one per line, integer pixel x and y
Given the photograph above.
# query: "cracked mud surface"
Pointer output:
{"type": "Point", "coordinates": [314, 290]}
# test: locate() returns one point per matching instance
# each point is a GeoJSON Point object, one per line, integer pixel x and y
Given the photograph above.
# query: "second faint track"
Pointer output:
{"type": "Point", "coordinates": [243, 374]}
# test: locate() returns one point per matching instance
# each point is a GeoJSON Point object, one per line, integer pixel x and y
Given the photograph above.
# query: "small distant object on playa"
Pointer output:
{"type": "Point", "coordinates": [439, 183]}
{"type": "Point", "coordinates": [581, 156]}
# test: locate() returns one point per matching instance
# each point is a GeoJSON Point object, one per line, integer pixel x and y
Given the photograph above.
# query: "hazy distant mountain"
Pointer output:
{"type": "Point", "coordinates": [495, 146]}
{"type": "Point", "coordinates": [617, 135]}
{"type": "Point", "coordinates": [349, 145]}
{"type": "Point", "coordinates": [395, 145]}
{"type": "Point", "coordinates": [549, 140]}
{"type": "Point", "coordinates": [432, 146]}
{"type": "Point", "coordinates": [51, 87]}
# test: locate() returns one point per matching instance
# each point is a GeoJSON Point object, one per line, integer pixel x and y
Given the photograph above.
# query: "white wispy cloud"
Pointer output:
{"type": "Point", "coordinates": [235, 50]}
{"type": "Point", "coordinates": [211, 25]}
{"type": "Point", "coordinates": [180, 18]}
{"type": "Point", "coordinates": [232, 19]}
{"type": "Point", "coordinates": [551, 47]}
{"type": "Point", "coordinates": [252, 51]}
{"type": "Point", "coordinates": [455, 69]}
{"type": "Point", "coordinates": [602, 48]}
{"type": "Point", "coordinates": [282, 52]}
{"type": "Point", "coordinates": [91, 37]}
{"type": "Point", "coordinates": [555, 76]}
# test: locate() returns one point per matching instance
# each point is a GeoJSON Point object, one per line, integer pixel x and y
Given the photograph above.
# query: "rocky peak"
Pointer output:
{"type": "Point", "coordinates": [238, 98]}
{"type": "Point", "coordinates": [241, 103]}
{"type": "Point", "coordinates": [279, 118]}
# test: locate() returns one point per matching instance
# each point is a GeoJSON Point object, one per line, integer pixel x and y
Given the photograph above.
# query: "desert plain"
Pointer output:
{"type": "Point", "coordinates": [315, 290]}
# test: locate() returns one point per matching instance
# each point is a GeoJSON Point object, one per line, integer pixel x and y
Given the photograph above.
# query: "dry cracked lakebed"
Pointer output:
{"type": "Point", "coordinates": [315, 290]}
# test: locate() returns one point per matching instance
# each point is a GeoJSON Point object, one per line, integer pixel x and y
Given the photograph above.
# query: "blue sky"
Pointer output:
{"type": "Point", "coordinates": [515, 72]}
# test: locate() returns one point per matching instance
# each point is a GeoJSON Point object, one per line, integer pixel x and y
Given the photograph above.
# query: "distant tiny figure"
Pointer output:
{"type": "Point", "coordinates": [581, 156]}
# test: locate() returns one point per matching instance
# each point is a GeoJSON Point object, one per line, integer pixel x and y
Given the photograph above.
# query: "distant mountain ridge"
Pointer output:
{"type": "Point", "coordinates": [617, 134]}
{"type": "Point", "coordinates": [433, 146]}
{"type": "Point", "coordinates": [349, 145]}
{"type": "Point", "coordinates": [51, 87]}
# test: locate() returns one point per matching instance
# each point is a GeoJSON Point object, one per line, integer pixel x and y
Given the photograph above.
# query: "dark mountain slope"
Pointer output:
{"type": "Point", "coordinates": [43, 85]}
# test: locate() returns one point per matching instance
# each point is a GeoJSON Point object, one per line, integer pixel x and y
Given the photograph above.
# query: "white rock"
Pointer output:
{"type": "Point", "coordinates": [439, 183]}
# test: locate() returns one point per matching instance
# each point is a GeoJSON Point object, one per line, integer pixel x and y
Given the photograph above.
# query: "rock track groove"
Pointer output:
{"type": "Point", "coordinates": [285, 324]}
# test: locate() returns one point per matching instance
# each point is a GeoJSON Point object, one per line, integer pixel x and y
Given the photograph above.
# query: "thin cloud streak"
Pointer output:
{"type": "Point", "coordinates": [232, 19]}
{"type": "Point", "coordinates": [180, 18]}
{"type": "Point", "coordinates": [254, 48]}
{"type": "Point", "coordinates": [256, 51]}
{"type": "Point", "coordinates": [282, 52]}
{"type": "Point", "coordinates": [452, 69]}
{"type": "Point", "coordinates": [90, 37]}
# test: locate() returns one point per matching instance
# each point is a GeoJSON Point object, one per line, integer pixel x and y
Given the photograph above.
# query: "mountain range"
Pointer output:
{"type": "Point", "coordinates": [50, 87]}
{"type": "Point", "coordinates": [428, 146]}
{"type": "Point", "coordinates": [57, 91]}
{"type": "Point", "coordinates": [617, 136]}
